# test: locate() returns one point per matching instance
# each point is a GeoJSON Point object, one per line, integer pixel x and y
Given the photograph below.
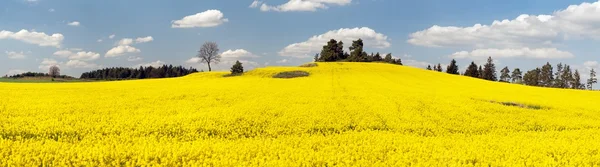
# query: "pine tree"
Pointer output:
{"type": "Point", "coordinates": [517, 76]}
{"type": "Point", "coordinates": [592, 80]}
{"type": "Point", "coordinates": [576, 84]}
{"type": "Point", "coordinates": [237, 68]}
{"type": "Point", "coordinates": [356, 52]}
{"type": "Point", "coordinates": [316, 57]}
{"type": "Point", "coordinates": [546, 75]}
{"type": "Point", "coordinates": [505, 75]}
{"type": "Point", "coordinates": [472, 70]}
{"type": "Point", "coordinates": [428, 67]}
{"type": "Point", "coordinates": [452, 68]}
{"type": "Point", "coordinates": [532, 77]}
{"type": "Point", "coordinates": [398, 61]}
{"type": "Point", "coordinates": [489, 70]}
{"type": "Point", "coordinates": [377, 57]}
{"type": "Point", "coordinates": [439, 67]}
{"type": "Point", "coordinates": [558, 82]}
{"type": "Point", "coordinates": [388, 58]}
{"type": "Point", "coordinates": [480, 72]}
{"type": "Point", "coordinates": [567, 77]}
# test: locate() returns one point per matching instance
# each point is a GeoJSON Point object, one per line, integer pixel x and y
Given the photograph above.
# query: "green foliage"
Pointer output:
{"type": "Point", "coordinates": [118, 73]}
{"type": "Point", "coordinates": [333, 51]}
{"type": "Point", "coordinates": [291, 74]}
{"type": "Point", "coordinates": [547, 76]}
{"type": "Point", "coordinates": [237, 68]}
{"type": "Point", "coordinates": [489, 70]}
{"type": "Point", "coordinates": [517, 76]}
{"type": "Point", "coordinates": [452, 68]}
{"type": "Point", "coordinates": [592, 80]}
{"type": "Point", "coordinates": [472, 70]}
{"type": "Point", "coordinates": [532, 77]}
{"type": "Point", "coordinates": [505, 74]}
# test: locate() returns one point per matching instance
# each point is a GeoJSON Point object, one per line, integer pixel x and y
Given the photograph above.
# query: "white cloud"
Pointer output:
{"type": "Point", "coordinates": [32, 37]}
{"type": "Point", "coordinates": [15, 55]}
{"type": "Point", "coordinates": [237, 54]}
{"type": "Point", "coordinates": [85, 56]}
{"type": "Point", "coordinates": [120, 50]}
{"type": "Point", "coordinates": [99, 40]}
{"type": "Point", "coordinates": [15, 71]}
{"type": "Point", "coordinates": [157, 63]}
{"type": "Point", "coordinates": [134, 58]}
{"type": "Point", "coordinates": [541, 53]}
{"type": "Point", "coordinates": [347, 35]}
{"type": "Point", "coordinates": [282, 61]}
{"type": "Point", "coordinates": [526, 30]}
{"type": "Point", "coordinates": [125, 41]}
{"type": "Point", "coordinates": [51, 10]}
{"type": "Point", "coordinates": [209, 18]}
{"type": "Point", "coordinates": [300, 5]}
{"type": "Point", "coordinates": [75, 24]}
{"type": "Point", "coordinates": [415, 63]}
{"type": "Point", "coordinates": [144, 39]}
{"type": "Point", "coordinates": [111, 36]}
{"type": "Point", "coordinates": [81, 64]}
{"type": "Point", "coordinates": [47, 63]}
{"type": "Point", "coordinates": [193, 60]}
{"type": "Point", "coordinates": [63, 53]}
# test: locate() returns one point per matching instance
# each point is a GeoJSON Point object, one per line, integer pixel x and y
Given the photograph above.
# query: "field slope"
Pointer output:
{"type": "Point", "coordinates": [363, 114]}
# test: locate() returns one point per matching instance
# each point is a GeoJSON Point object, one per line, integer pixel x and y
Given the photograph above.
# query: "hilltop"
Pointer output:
{"type": "Point", "coordinates": [341, 114]}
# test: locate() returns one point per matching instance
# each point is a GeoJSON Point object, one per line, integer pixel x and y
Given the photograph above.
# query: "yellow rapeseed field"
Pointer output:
{"type": "Point", "coordinates": [346, 114]}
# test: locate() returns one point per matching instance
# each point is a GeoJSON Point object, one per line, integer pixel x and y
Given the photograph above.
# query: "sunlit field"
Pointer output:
{"type": "Point", "coordinates": [359, 114]}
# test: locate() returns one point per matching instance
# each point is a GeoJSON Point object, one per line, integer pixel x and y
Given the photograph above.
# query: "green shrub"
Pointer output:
{"type": "Point", "coordinates": [291, 74]}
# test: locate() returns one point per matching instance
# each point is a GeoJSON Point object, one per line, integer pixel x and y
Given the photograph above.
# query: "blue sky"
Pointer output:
{"type": "Point", "coordinates": [75, 35]}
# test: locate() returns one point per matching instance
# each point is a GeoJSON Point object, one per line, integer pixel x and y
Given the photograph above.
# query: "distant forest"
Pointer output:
{"type": "Point", "coordinates": [118, 73]}
{"type": "Point", "coordinates": [35, 74]}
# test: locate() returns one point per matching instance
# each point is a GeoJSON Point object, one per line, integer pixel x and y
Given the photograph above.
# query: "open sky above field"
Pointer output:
{"type": "Point", "coordinates": [81, 36]}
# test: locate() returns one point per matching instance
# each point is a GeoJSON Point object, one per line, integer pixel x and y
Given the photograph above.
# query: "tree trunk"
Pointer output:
{"type": "Point", "coordinates": [209, 69]}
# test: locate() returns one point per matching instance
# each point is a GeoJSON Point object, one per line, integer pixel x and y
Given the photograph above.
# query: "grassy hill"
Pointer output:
{"type": "Point", "coordinates": [363, 114]}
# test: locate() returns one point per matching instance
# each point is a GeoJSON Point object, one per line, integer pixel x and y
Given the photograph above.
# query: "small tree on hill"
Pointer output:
{"type": "Point", "coordinates": [576, 82]}
{"type": "Point", "coordinates": [452, 68]}
{"type": "Point", "coordinates": [237, 68]}
{"type": "Point", "coordinates": [439, 67]}
{"type": "Point", "coordinates": [209, 53]}
{"type": "Point", "coordinates": [472, 70]}
{"type": "Point", "coordinates": [592, 80]}
{"type": "Point", "coordinates": [546, 75]}
{"type": "Point", "coordinates": [54, 71]}
{"type": "Point", "coordinates": [505, 75]}
{"type": "Point", "coordinates": [489, 70]}
{"type": "Point", "coordinates": [480, 72]}
{"type": "Point", "coordinates": [429, 67]}
{"type": "Point", "coordinates": [517, 76]}
{"type": "Point", "coordinates": [388, 58]}
{"type": "Point", "coordinates": [377, 57]}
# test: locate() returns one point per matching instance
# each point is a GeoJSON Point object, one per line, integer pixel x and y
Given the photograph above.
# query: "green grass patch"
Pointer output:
{"type": "Point", "coordinates": [291, 74]}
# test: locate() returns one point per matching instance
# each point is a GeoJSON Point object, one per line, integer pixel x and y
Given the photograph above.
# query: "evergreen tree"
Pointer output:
{"type": "Point", "coordinates": [237, 68]}
{"type": "Point", "coordinates": [592, 80]}
{"type": "Point", "coordinates": [480, 72]}
{"type": "Point", "coordinates": [388, 58]}
{"type": "Point", "coordinates": [452, 68]}
{"type": "Point", "coordinates": [505, 75]}
{"type": "Point", "coordinates": [517, 76]}
{"type": "Point", "coordinates": [472, 70]}
{"type": "Point", "coordinates": [546, 75]}
{"type": "Point", "coordinates": [576, 82]}
{"type": "Point", "coordinates": [566, 77]}
{"type": "Point", "coordinates": [429, 67]}
{"type": "Point", "coordinates": [439, 67]}
{"type": "Point", "coordinates": [489, 70]}
{"type": "Point", "coordinates": [356, 52]}
{"type": "Point", "coordinates": [377, 57]}
{"type": "Point", "coordinates": [332, 51]}
{"type": "Point", "coordinates": [532, 77]}
{"type": "Point", "coordinates": [558, 82]}
{"type": "Point", "coordinates": [316, 57]}
{"type": "Point", "coordinates": [398, 61]}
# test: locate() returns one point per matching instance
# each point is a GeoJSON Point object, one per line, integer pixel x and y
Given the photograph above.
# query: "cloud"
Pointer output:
{"type": "Point", "coordinates": [209, 18]}
{"type": "Point", "coordinates": [47, 63]}
{"type": "Point", "coordinates": [300, 5]}
{"type": "Point", "coordinates": [120, 50]}
{"type": "Point", "coordinates": [526, 30]}
{"type": "Point", "coordinates": [314, 44]}
{"type": "Point", "coordinates": [15, 71]}
{"type": "Point", "coordinates": [144, 39]}
{"type": "Point", "coordinates": [541, 53]}
{"type": "Point", "coordinates": [81, 64]}
{"type": "Point", "coordinates": [15, 55]}
{"type": "Point", "coordinates": [157, 63]}
{"type": "Point", "coordinates": [415, 63]}
{"type": "Point", "coordinates": [134, 58]}
{"type": "Point", "coordinates": [82, 55]}
{"type": "Point", "coordinates": [74, 24]}
{"type": "Point", "coordinates": [111, 36]}
{"type": "Point", "coordinates": [237, 54]}
{"type": "Point", "coordinates": [51, 10]}
{"type": "Point", "coordinates": [193, 60]}
{"type": "Point", "coordinates": [125, 41]}
{"type": "Point", "coordinates": [99, 40]}
{"type": "Point", "coordinates": [32, 37]}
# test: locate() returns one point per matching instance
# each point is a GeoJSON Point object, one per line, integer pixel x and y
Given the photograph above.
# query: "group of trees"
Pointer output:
{"type": "Point", "coordinates": [334, 51]}
{"type": "Point", "coordinates": [564, 77]}
{"type": "Point", "coordinates": [53, 72]}
{"type": "Point", "coordinates": [117, 73]}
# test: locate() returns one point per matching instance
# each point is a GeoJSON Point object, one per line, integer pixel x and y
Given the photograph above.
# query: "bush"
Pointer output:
{"type": "Point", "coordinates": [309, 65]}
{"type": "Point", "coordinates": [291, 74]}
{"type": "Point", "coordinates": [237, 68]}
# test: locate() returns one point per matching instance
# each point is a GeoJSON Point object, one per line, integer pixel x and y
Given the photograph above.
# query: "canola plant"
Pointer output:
{"type": "Point", "coordinates": [343, 114]}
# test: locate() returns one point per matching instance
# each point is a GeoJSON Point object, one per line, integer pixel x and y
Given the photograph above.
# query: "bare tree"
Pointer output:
{"type": "Point", "coordinates": [209, 53]}
{"type": "Point", "coordinates": [54, 71]}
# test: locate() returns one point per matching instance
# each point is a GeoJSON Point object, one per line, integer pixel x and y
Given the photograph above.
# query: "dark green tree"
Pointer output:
{"type": "Point", "coordinates": [332, 51]}
{"type": "Point", "coordinates": [517, 76]}
{"type": "Point", "coordinates": [439, 67]}
{"type": "Point", "coordinates": [237, 68]}
{"type": "Point", "coordinates": [356, 52]}
{"type": "Point", "coordinates": [480, 72]}
{"type": "Point", "coordinates": [429, 67]}
{"type": "Point", "coordinates": [546, 75]}
{"type": "Point", "coordinates": [472, 70]}
{"type": "Point", "coordinates": [505, 75]}
{"type": "Point", "coordinates": [489, 70]}
{"type": "Point", "coordinates": [388, 58]}
{"type": "Point", "coordinates": [592, 80]}
{"type": "Point", "coordinates": [452, 68]}
{"type": "Point", "coordinates": [576, 82]}
{"type": "Point", "coordinates": [566, 77]}
{"type": "Point", "coordinates": [316, 57]}
{"type": "Point", "coordinates": [377, 57]}
{"type": "Point", "coordinates": [558, 78]}
{"type": "Point", "coordinates": [532, 77]}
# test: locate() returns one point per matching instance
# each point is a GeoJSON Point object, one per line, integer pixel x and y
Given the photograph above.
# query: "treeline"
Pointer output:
{"type": "Point", "coordinates": [35, 74]}
{"type": "Point", "coordinates": [334, 51]}
{"type": "Point", "coordinates": [118, 73]}
{"type": "Point", "coordinates": [545, 76]}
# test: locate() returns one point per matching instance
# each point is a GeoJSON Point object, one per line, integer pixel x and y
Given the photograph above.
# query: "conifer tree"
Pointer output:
{"type": "Point", "coordinates": [472, 70]}
{"type": "Point", "coordinates": [489, 70]}
{"type": "Point", "coordinates": [517, 76]}
{"type": "Point", "coordinates": [452, 68]}
{"type": "Point", "coordinates": [592, 80]}
{"type": "Point", "coordinates": [505, 74]}
{"type": "Point", "coordinates": [576, 82]}
{"type": "Point", "coordinates": [237, 68]}
{"type": "Point", "coordinates": [546, 75]}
